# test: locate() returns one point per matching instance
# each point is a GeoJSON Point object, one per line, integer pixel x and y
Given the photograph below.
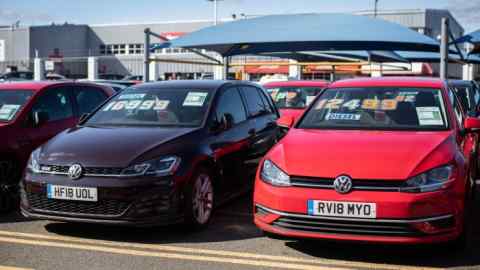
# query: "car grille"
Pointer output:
{"type": "Point", "coordinates": [357, 184]}
{"type": "Point", "coordinates": [57, 169]}
{"type": "Point", "coordinates": [361, 227]}
{"type": "Point", "coordinates": [107, 208]}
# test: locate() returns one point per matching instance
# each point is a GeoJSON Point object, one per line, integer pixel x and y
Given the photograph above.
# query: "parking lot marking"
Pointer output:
{"type": "Point", "coordinates": [13, 268]}
{"type": "Point", "coordinates": [255, 256]}
{"type": "Point", "coordinates": [133, 252]}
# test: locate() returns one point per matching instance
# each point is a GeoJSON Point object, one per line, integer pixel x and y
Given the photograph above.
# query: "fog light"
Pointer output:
{"type": "Point", "coordinates": [264, 215]}
{"type": "Point", "coordinates": [435, 226]}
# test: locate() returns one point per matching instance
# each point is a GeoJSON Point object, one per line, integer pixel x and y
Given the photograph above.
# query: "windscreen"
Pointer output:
{"type": "Point", "coordinates": [11, 102]}
{"type": "Point", "coordinates": [154, 107]}
{"type": "Point", "coordinates": [378, 108]}
{"type": "Point", "coordinates": [293, 97]}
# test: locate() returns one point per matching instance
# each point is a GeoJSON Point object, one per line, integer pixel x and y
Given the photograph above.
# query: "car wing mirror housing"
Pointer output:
{"type": "Point", "coordinates": [286, 121]}
{"type": "Point", "coordinates": [471, 123]}
{"type": "Point", "coordinates": [40, 118]}
{"type": "Point", "coordinates": [227, 121]}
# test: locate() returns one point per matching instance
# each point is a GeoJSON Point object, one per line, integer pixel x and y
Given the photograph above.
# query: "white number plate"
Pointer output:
{"type": "Point", "coordinates": [342, 209]}
{"type": "Point", "coordinates": [72, 193]}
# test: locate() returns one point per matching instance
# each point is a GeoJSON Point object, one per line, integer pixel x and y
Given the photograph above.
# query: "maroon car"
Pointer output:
{"type": "Point", "coordinates": [33, 112]}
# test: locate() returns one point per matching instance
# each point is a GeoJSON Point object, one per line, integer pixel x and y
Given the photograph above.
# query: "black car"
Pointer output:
{"type": "Point", "coordinates": [110, 76]}
{"type": "Point", "coordinates": [155, 153]}
{"type": "Point", "coordinates": [469, 94]}
{"type": "Point", "coordinates": [17, 76]}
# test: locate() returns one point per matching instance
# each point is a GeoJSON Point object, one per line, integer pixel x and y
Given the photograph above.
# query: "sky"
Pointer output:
{"type": "Point", "coordinates": [35, 12]}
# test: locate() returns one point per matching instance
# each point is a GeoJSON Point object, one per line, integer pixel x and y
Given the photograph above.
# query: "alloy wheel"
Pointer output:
{"type": "Point", "coordinates": [202, 201]}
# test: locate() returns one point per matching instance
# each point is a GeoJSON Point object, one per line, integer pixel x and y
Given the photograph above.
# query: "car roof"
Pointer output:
{"type": "Point", "coordinates": [37, 85]}
{"type": "Point", "coordinates": [191, 84]}
{"type": "Point", "coordinates": [421, 82]}
{"type": "Point", "coordinates": [297, 83]}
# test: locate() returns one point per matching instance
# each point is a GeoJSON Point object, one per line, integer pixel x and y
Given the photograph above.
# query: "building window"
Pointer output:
{"type": "Point", "coordinates": [114, 49]}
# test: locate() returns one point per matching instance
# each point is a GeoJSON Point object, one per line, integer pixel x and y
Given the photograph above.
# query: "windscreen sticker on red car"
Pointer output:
{"type": "Point", "coordinates": [353, 104]}
{"type": "Point", "coordinates": [195, 99]}
{"type": "Point", "coordinates": [7, 111]}
{"type": "Point", "coordinates": [429, 116]}
{"type": "Point", "coordinates": [406, 96]}
{"type": "Point", "coordinates": [281, 95]}
{"type": "Point", "coordinates": [149, 104]}
{"type": "Point", "coordinates": [273, 92]}
{"type": "Point", "coordinates": [343, 116]}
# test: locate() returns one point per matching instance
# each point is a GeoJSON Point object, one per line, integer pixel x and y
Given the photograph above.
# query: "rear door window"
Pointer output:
{"type": "Point", "coordinates": [255, 104]}
{"type": "Point", "coordinates": [230, 102]}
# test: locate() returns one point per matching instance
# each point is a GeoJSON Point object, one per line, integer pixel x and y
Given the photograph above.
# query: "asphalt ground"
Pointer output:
{"type": "Point", "coordinates": [231, 242]}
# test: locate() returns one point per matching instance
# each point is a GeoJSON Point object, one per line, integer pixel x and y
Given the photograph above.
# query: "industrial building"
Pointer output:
{"type": "Point", "coordinates": [119, 48]}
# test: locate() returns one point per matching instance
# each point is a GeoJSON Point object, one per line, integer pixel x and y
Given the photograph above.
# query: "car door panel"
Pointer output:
{"type": "Point", "coordinates": [230, 146]}
{"type": "Point", "coordinates": [263, 117]}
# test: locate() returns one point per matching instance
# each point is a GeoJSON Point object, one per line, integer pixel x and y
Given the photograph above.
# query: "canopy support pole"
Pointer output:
{"type": "Point", "coordinates": [333, 74]}
{"type": "Point", "coordinates": [226, 66]}
{"type": "Point", "coordinates": [444, 50]}
{"type": "Point", "coordinates": [146, 54]}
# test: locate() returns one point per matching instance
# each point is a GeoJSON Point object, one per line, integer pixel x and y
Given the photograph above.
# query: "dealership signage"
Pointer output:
{"type": "Point", "coordinates": [49, 65]}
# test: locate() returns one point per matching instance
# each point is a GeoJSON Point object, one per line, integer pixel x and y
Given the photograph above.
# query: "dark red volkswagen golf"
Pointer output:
{"type": "Point", "coordinates": [154, 154]}
{"type": "Point", "coordinates": [30, 114]}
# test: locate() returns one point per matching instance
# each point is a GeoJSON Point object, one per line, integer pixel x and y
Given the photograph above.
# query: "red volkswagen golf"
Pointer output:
{"type": "Point", "coordinates": [292, 97]}
{"type": "Point", "coordinates": [384, 160]}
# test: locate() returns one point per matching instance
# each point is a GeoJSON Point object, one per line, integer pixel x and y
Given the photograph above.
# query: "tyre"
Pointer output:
{"type": "Point", "coordinates": [9, 173]}
{"type": "Point", "coordinates": [199, 200]}
{"type": "Point", "coordinates": [9, 178]}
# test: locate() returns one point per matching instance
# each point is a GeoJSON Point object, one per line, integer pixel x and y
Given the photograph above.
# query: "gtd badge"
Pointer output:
{"type": "Point", "coordinates": [75, 171]}
{"type": "Point", "coordinates": [342, 184]}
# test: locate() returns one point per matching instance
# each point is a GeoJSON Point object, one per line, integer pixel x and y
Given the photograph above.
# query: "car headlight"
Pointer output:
{"type": "Point", "coordinates": [432, 180]}
{"type": "Point", "coordinates": [33, 163]}
{"type": "Point", "coordinates": [157, 167]}
{"type": "Point", "coordinates": [273, 175]}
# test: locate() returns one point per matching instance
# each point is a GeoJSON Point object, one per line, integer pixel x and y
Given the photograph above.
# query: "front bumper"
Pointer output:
{"type": "Point", "coordinates": [130, 202]}
{"type": "Point", "coordinates": [401, 218]}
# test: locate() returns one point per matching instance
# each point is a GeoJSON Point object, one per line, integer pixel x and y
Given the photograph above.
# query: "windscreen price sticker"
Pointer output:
{"type": "Point", "coordinates": [195, 99]}
{"type": "Point", "coordinates": [132, 96]}
{"type": "Point", "coordinates": [145, 105]}
{"type": "Point", "coordinates": [353, 104]}
{"type": "Point", "coordinates": [342, 116]}
{"type": "Point", "coordinates": [429, 116]}
{"type": "Point", "coordinates": [7, 111]}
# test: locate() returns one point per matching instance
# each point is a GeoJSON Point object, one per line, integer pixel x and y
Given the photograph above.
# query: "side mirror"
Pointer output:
{"type": "Point", "coordinates": [227, 121]}
{"type": "Point", "coordinates": [286, 121]}
{"type": "Point", "coordinates": [83, 118]}
{"type": "Point", "coordinates": [471, 123]}
{"type": "Point", "coordinates": [40, 118]}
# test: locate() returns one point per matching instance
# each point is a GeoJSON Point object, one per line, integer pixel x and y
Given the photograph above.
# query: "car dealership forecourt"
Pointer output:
{"type": "Point", "coordinates": [387, 160]}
